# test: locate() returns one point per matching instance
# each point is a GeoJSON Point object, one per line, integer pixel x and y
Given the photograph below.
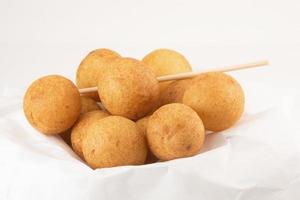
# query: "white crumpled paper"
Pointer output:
{"type": "Point", "coordinates": [259, 158]}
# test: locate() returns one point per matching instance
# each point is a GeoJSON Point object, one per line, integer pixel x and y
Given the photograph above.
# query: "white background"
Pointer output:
{"type": "Point", "coordinates": [39, 37]}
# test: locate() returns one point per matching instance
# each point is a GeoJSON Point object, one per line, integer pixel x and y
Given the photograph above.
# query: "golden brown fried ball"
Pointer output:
{"type": "Point", "coordinates": [165, 62]}
{"type": "Point", "coordinates": [79, 130]}
{"type": "Point", "coordinates": [88, 104]}
{"type": "Point", "coordinates": [90, 68]}
{"type": "Point", "coordinates": [128, 88]}
{"type": "Point", "coordinates": [114, 141]}
{"type": "Point", "coordinates": [217, 98]}
{"type": "Point", "coordinates": [142, 125]}
{"type": "Point", "coordinates": [175, 91]}
{"type": "Point", "coordinates": [175, 131]}
{"type": "Point", "coordinates": [52, 104]}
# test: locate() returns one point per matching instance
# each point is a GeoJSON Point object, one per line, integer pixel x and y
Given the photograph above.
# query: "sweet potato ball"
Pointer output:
{"type": "Point", "coordinates": [175, 131]}
{"type": "Point", "coordinates": [165, 62]}
{"type": "Point", "coordinates": [90, 67]}
{"type": "Point", "coordinates": [80, 129]}
{"type": "Point", "coordinates": [217, 98]}
{"type": "Point", "coordinates": [52, 104]}
{"type": "Point", "coordinates": [128, 88]}
{"type": "Point", "coordinates": [114, 141]}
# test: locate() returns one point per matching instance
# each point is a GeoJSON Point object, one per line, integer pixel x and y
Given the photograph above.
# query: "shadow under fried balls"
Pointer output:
{"type": "Point", "coordinates": [174, 91]}
{"type": "Point", "coordinates": [88, 104]}
{"type": "Point", "coordinates": [142, 125]}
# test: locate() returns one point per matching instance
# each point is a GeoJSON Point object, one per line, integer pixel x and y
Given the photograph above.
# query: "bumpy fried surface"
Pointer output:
{"type": "Point", "coordinates": [128, 89]}
{"type": "Point", "coordinates": [52, 104]}
{"type": "Point", "coordinates": [165, 62]}
{"type": "Point", "coordinates": [114, 141]}
{"type": "Point", "coordinates": [217, 98]}
{"type": "Point", "coordinates": [175, 131]}
{"type": "Point", "coordinates": [90, 67]}
{"type": "Point", "coordinates": [80, 129]}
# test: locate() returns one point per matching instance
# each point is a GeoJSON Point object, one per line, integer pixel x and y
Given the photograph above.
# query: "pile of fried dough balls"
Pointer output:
{"type": "Point", "coordinates": [138, 120]}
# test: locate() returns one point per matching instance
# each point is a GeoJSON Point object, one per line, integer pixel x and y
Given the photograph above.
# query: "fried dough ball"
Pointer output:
{"type": "Point", "coordinates": [88, 104]}
{"type": "Point", "coordinates": [217, 98]}
{"type": "Point", "coordinates": [114, 141]}
{"type": "Point", "coordinates": [165, 62]}
{"type": "Point", "coordinates": [175, 91]}
{"type": "Point", "coordinates": [128, 88]}
{"type": "Point", "coordinates": [142, 125]}
{"type": "Point", "coordinates": [90, 68]}
{"type": "Point", "coordinates": [52, 104]}
{"type": "Point", "coordinates": [79, 130]}
{"type": "Point", "coordinates": [175, 131]}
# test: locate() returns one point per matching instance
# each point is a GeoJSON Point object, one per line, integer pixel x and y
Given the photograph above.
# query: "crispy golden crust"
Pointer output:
{"type": "Point", "coordinates": [174, 91]}
{"type": "Point", "coordinates": [217, 98]}
{"type": "Point", "coordinates": [165, 62]}
{"type": "Point", "coordinates": [88, 104]}
{"type": "Point", "coordinates": [175, 131]}
{"type": "Point", "coordinates": [79, 130]}
{"type": "Point", "coordinates": [90, 68]}
{"type": "Point", "coordinates": [114, 141]}
{"type": "Point", "coordinates": [128, 88]}
{"type": "Point", "coordinates": [52, 104]}
{"type": "Point", "coordinates": [142, 125]}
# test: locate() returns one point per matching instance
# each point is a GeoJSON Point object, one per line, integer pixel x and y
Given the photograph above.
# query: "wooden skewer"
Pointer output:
{"type": "Point", "coordinates": [88, 90]}
{"type": "Point", "coordinates": [193, 74]}
{"type": "Point", "coordinates": [218, 69]}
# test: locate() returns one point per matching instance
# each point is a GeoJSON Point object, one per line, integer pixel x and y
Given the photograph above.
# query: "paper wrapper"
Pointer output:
{"type": "Point", "coordinates": [258, 158]}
